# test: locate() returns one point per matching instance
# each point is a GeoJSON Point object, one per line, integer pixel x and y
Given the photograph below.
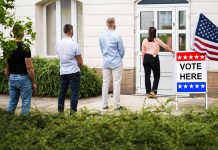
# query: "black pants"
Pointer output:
{"type": "Point", "coordinates": [151, 63]}
{"type": "Point", "coordinates": [74, 81]}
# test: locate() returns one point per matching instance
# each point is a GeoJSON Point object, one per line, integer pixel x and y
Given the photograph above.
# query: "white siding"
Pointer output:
{"type": "Point", "coordinates": [95, 14]}
{"type": "Point", "coordinates": [210, 10]}
{"type": "Point", "coordinates": [23, 9]}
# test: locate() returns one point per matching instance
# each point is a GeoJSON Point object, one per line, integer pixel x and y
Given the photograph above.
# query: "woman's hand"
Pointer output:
{"type": "Point", "coordinates": [173, 52]}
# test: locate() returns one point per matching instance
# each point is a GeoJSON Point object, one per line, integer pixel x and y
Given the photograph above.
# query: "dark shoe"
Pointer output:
{"type": "Point", "coordinates": [106, 107]}
{"type": "Point", "coordinates": [120, 108]}
{"type": "Point", "coordinates": [72, 112]}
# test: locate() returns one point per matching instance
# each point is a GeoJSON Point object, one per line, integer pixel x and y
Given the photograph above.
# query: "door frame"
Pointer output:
{"type": "Point", "coordinates": [175, 21]}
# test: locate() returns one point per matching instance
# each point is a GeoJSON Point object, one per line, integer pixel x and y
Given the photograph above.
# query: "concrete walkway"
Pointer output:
{"type": "Point", "coordinates": [131, 102]}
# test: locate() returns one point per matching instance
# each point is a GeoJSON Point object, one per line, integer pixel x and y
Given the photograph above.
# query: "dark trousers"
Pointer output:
{"type": "Point", "coordinates": [74, 81]}
{"type": "Point", "coordinates": [151, 63]}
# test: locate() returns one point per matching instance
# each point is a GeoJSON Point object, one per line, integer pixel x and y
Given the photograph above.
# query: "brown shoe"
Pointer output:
{"type": "Point", "coordinates": [152, 95]}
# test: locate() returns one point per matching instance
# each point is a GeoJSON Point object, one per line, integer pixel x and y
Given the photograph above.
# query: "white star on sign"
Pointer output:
{"type": "Point", "coordinates": [185, 57]}
{"type": "Point", "coordinates": [185, 86]}
{"type": "Point", "coordinates": [190, 57]}
{"type": "Point", "coordinates": [179, 57]}
{"type": "Point", "coordinates": [180, 86]}
{"type": "Point", "coordinates": [196, 57]}
{"type": "Point", "coordinates": [202, 85]}
{"type": "Point", "coordinates": [191, 86]}
{"type": "Point", "coordinates": [202, 56]}
{"type": "Point", "coordinates": [197, 86]}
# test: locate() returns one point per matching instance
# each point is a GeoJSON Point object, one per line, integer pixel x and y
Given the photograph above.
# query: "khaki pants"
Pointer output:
{"type": "Point", "coordinates": [117, 77]}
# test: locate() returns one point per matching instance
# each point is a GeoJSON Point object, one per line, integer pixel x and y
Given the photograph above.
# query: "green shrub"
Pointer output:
{"type": "Point", "coordinates": [97, 131]}
{"type": "Point", "coordinates": [48, 79]}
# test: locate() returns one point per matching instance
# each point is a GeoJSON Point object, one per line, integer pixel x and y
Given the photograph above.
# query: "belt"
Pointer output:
{"type": "Point", "coordinates": [151, 55]}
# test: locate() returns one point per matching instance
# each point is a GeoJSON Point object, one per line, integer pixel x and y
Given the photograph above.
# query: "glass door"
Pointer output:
{"type": "Point", "coordinates": [171, 24]}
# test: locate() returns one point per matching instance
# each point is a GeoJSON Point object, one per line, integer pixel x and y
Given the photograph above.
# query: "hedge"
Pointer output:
{"type": "Point", "coordinates": [111, 131]}
{"type": "Point", "coordinates": [48, 79]}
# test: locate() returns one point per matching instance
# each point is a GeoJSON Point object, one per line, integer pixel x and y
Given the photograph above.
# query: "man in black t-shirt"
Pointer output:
{"type": "Point", "coordinates": [21, 76]}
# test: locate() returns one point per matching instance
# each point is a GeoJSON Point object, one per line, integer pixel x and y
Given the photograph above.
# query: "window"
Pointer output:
{"type": "Point", "coordinates": [147, 20]}
{"type": "Point", "coordinates": [57, 13]}
{"type": "Point", "coordinates": [164, 20]}
{"type": "Point", "coordinates": [65, 14]}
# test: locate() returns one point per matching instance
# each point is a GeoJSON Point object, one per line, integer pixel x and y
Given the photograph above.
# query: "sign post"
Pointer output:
{"type": "Point", "coordinates": [191, 74]}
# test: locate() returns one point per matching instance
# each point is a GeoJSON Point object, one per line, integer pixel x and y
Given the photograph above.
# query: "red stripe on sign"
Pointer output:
{"type": "Point", "coordinates": [190, 56]}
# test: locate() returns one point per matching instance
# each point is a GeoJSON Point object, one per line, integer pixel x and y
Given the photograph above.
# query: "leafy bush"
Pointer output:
{"type": "Point", "coordinates": [48, 79]}
{"type": "Point", "coordinates": [125, 131]}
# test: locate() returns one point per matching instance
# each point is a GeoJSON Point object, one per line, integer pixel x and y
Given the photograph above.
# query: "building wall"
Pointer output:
{"type": "Point", "coordinates": [24, 9]}
{"type": "Point", "coordinates": [95, 14]}
{"type": "Point", "coordinates": [209, 9]}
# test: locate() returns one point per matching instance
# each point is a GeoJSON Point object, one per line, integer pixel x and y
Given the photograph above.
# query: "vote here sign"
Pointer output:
{"type": "Point", "coordinates": [191, 72]}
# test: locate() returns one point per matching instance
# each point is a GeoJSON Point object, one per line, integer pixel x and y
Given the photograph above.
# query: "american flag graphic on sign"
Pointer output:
{"type": "Point", "coordinates": [206, 38]}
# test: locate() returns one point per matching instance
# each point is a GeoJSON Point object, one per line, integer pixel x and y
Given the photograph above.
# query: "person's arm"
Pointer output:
{"type": "Point", "coordinates": [6, 71]}
{"type": "Point", "coordinates": [143, 49]}
{"type": "Point", "coordinates": [165, 46]}
{"type": "Point", "coordinates": [101, 46]}
{"type": "Point", "coordinates": [79, 60]}
{"type": "Point", "coordinates": [31, 72]}
{"type": "Point", "coordinates": [78, 56]}
{"type": "Point", "coordinates": [121, 47]}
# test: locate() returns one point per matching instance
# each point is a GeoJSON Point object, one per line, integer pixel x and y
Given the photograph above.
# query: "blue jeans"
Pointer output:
{"type": "Point", "coordinates": [74, 81]}
{"type": "Point", "coordinates": [19, 85]}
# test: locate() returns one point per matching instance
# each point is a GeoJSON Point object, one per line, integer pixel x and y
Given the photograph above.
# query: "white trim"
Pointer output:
{"type": "Point", "coordinates": [45, 31]}
{"type": "Point", "coordinates": [58, 21]}
{"type": "Point", "coordinates": [161, 5]}
{"type": "Point", "coordinates": [74, 18]}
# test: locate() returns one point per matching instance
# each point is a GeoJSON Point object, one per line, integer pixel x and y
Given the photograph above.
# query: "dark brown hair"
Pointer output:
{"type": "Point", "coordinates": [68, 28]}
{"type": "Point", "coordinates": [152, 34]}
{"type": "Point", "coordinates": [18, 31]}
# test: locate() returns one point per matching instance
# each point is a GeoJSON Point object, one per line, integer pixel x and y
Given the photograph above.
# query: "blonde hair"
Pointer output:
{"type": "Point", "coordinates": [110, 21]}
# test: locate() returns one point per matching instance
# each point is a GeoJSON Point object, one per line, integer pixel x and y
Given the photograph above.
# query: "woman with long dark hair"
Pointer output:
{"type": "Point", "coordinates": [150, 50]}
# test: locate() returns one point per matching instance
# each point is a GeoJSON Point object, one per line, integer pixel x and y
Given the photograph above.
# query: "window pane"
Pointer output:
{"type": "Point", "coordinates": [147, 20]}
{"type": "Point", "coordinates": [167, 39]}
{"type": "Point", "coordinates": [182, 20]}
{"type": "Point", "coordinates": [182, 42]}
{"type": "Point", "coordinates": [51, 28]}
{"type": "Point", "coordinates": [164, 20]}
{"type": "Point", "coordinates": [142, 37]}
{"type": "Point", "coordinates": [65, 13]}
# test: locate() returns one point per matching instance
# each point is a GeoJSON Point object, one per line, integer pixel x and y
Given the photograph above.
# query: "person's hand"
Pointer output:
{"type": "Point", "coordinates": [34, 86]}
{"type": "Point", "coordinates": [173, 52]}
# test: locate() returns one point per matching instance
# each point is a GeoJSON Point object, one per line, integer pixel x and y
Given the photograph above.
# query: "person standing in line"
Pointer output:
{"type": "Point", "coordinates": [150, 50]}
{"type": "Point", "coordinates": [21, 74]}
{"type": "Point", "coordinates": [113, 51]}
{"type": "Point", "coordinates": [69, 53]}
